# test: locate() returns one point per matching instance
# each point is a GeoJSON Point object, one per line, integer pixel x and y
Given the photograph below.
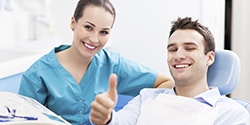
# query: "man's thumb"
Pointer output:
{"type": "Point", "coordinates": [112, 87]}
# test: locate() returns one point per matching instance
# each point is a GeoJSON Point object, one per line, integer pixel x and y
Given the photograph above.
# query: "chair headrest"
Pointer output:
{"type": "Point", "coordinates": [224, 73]}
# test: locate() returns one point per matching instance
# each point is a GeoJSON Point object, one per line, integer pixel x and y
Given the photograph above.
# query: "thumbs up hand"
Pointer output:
{"type": "Point", "coordinates": [102, 106]}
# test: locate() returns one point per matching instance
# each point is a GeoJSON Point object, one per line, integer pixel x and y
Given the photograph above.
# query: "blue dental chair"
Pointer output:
{"type": "Point", "coordinates": [224, 73]}
{"type": "Point", "coordinates": [11, 83]}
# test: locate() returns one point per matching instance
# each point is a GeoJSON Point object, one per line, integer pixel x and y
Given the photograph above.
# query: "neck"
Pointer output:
{"type": "Point", "coordinates": [190, 90]}
{"type": "Point", "coordinates": [71, 57]}
{"type": "Point", "coordinates": [76, 57]}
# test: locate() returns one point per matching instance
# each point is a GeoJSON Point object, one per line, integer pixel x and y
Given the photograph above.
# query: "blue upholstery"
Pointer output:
{"type": "Point", "coordinates": [224, 73]}
{"type": "Point", "coordinates": [122, 101]}
{"type": "Point", "coordinates": [11, 83]}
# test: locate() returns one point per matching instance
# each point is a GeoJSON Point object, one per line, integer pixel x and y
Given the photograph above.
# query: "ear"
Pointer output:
{"type": "Point", "coordinates": [210, 56]}
{"type": "Point", "coordinates": [72, 23]}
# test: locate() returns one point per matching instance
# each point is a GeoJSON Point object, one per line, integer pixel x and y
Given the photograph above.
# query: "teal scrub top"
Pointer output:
{"type": "Point", "coordinates": [48, 82]}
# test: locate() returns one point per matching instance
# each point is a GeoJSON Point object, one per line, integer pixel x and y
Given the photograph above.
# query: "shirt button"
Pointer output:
{"type": "Point", "coordinates": [80, 101]}
{"type": "Point", "coordinates": [80, 112]}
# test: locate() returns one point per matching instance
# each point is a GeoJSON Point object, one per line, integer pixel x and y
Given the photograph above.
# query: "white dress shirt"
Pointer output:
{"type": "Point", "coordinates": [229, 111]}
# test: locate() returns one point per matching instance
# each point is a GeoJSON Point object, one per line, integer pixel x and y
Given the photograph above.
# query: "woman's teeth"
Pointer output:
{"type": "Point", "coordinates": [89, 46]}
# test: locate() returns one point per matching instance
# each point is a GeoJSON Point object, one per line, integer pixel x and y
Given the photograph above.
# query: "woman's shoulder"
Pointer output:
{"type": "Point", "coordinates": [108, 53]}
{"type": "Point", "coordinates": [108, 56]}
{"type": "Point", "coordinates": [44, 62]}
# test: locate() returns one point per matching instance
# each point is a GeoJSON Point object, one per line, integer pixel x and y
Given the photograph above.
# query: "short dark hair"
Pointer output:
{"type": "Point", "coordinates": [82, 4]}
{"type": "Point", "coordinates": [188, 23]}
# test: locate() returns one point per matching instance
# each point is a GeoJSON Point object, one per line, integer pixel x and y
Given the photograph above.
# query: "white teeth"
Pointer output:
{"type": "Point", "coordinates": [181, 66]}
{"type": "Point", "coordinates": [91, 47]}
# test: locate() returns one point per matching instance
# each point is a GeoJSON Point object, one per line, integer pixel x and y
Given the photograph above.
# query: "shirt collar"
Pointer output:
{"type": "Point", "coordinates": [209, 97]}
{"type": "Point", "coordinates": [170, 91]}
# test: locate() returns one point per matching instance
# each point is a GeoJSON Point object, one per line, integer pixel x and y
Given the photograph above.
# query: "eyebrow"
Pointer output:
{"type": "Point", "coordinates": [95, 26]}
{"type": "Point", "coordinates": [91, 23]}
{"type": "Point", "coordinates": [169, 45]}
{"type": "Point", "coordinates": [190, 43]}
{"type": "Point", "coordinates": [187, 43]}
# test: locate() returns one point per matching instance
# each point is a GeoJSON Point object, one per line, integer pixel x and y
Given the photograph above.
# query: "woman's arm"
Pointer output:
{"type": "Point", "coordinates": [163, 81]}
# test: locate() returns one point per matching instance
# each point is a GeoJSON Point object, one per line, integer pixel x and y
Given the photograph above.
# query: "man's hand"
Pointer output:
{"type": "Point", "coordinates": [104, 103]}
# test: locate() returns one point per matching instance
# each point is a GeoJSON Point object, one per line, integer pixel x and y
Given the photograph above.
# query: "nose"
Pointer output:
{"type": "Point", "coordinates": [94, 37]}
{"type": "Point", "coordinates": [180, 54]}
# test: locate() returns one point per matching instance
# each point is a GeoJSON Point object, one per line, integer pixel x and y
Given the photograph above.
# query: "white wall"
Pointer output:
{"type": "Point", "coordinates": [62, 11]}
{"type": "Point", "coordinates": [142, 26]}
{"type": "Point", "coordinates": [240, 45]}
{"type": "Point", "coordinates": [15, 23]}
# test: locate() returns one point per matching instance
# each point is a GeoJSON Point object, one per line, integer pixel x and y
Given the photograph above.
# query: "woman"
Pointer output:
{"type": "Point", "coordinates": [67, 79]}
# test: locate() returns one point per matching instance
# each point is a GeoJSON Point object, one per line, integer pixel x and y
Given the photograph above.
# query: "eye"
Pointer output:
{"type": "Point", "coordinates": [87, 27]}
{"type": "Point", "coordinates": [190, 48]}
{"type": "Point", "coordinates": [172, 49]}
{"type": "Point", "coordinates": [104, 32]}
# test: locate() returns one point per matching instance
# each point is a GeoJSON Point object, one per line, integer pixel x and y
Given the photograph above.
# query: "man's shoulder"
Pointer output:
{"type": "Point", "coordinates": [223, 100]}
{"type": "Point", "coordinates": [231, 105]}
{"type": "Point", "coordinates": [229, 108]}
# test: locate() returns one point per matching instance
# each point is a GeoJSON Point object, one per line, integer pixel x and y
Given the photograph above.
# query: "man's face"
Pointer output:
{"type": "Point", "coordinates": [186, 59]}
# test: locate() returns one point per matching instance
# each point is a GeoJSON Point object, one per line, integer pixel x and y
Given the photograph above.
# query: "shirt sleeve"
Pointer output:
{"type": "Point", "coordinates": [131, 112]}
{"type": "Point", "coordinates": [128, 115]}
{"type": "Point", "coordinates": [38, 92]}
{"type": "Point", "coordinates": [132, 77]}
{"type": "Point", "coordinates": [234, 116]}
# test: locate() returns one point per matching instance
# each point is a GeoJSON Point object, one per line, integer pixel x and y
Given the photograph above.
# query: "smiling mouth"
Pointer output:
{"type": "Point", "coordinates": [91, 47]}
{"type": "Point", "coordinates": [182, 66]}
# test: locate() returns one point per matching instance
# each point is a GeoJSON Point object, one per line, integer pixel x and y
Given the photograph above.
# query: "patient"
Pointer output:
{"type": "Point", "coordinates": [191, 50]}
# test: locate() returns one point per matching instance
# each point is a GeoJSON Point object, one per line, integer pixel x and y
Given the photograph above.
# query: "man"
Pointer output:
{"type": "Point", "coordinates": [190, 52]}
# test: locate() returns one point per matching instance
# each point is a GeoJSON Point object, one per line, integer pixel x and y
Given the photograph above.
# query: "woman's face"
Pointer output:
{"type": "Point", "coordinates": [92, 30]}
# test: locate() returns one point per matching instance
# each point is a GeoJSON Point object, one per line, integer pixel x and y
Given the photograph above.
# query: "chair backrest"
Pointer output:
{"type": "Point", "coordinates": [224, 73]}
{"type": "Point", "coordinates": [11, 83]}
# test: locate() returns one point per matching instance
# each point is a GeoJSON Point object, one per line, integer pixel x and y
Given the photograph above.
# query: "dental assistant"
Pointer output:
{"type": "Point", "coordinates": [67, 79]}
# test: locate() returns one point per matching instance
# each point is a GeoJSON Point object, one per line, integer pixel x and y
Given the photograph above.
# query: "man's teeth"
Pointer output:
{"type": "Point", "coordinates": [91, 47]}
{"type": "Point", "coordinates": [181, 66]}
